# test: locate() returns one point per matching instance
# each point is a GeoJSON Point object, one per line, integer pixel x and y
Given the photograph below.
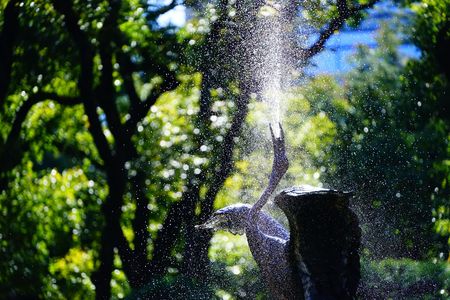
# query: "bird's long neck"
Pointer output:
{"type": "Point", "coordinates": [279, 168]}
{"type": "Point", "coordinates": [273, 182]}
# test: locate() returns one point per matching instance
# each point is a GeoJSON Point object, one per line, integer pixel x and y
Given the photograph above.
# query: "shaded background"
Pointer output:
{"type": "Point", "coordinates": [126, 123]}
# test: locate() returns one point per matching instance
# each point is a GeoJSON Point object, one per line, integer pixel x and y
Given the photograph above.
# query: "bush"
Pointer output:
{"type": "Point", "coordinates": [404, 279]}
{"type": "Point", "coordinates": [173, 288]}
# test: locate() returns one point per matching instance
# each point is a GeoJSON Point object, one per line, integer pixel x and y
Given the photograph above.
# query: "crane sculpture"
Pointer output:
{"type": "Point", "coordinates": [279, 255]}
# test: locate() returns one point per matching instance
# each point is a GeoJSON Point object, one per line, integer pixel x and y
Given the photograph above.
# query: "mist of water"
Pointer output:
{"type": "Point", "coordinates": [273, 67]}
{"type": "Point", "coordinates": [271, 72]}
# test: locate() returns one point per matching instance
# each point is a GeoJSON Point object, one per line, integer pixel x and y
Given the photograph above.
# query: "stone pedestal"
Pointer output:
{"type": "Point", "coordinates": [324, 237]}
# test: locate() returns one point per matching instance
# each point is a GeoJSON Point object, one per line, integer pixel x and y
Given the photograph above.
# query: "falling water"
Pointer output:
{"type": "Point", "coordinates": [269, 71]}
{"type": "Point", "coordinates": [273, 67]}
{"type": "Point", "coordinates": [272, 72]}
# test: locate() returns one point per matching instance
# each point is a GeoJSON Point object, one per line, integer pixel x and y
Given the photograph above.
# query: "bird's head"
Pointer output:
{"type": "Point", "coordinates": [231, 218]}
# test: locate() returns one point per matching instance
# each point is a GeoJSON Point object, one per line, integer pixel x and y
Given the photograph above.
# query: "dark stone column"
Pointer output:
{"type": "Point", "coordinates": [325, 236]}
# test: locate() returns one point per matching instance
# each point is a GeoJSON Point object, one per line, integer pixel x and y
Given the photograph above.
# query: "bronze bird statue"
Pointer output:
{"type": "Point", "coordinates": [319, 258]}
{"type": "Point", "coordinates": [266, 237]}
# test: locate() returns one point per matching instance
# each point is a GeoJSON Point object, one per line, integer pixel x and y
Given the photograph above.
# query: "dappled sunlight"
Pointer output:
{"type": "Point", "coordinates": [127, 125]}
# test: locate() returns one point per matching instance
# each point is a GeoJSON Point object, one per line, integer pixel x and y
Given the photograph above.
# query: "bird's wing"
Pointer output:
{"type": "Point", "coordinates": [271, 227]}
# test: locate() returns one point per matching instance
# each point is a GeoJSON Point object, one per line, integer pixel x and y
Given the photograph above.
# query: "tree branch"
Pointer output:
{"type": "Point", "coordinates": [210, 65]}
{"type": "Point", "coordinates": [184, 211]}
{"type": "Point", "coordinates": [133, 269]}
{"type": "Point", "coordinates": [224, 164]}
{"type": "Point", "coordinates": [28, 104]}
{"type": "Point", "coordinates": [139, 109]}
{"type": "Point", "coordinates": [167, 236]}
{"type": "Point", "coordinates": [106, 92]}
{"type": "Point", "coordinates": [153, 15]}
{"type": "Point", "coordinates": [195, 253]}
{"type": "Point", "coordinates": [126, 71]}
{"type": "Point", "coordinates": [14, 134]}
{"type": "Point", "coordinates": [143, 107]}
{"type": "Point", "coordinates": [344, 13]}
{"type": "Point", "coordinates": [142, 215]}
{"type": "Point", "coordinates": [85, 81]}
{"type": "Point", "coordinates": [7, 39]}
{"type": "Point", "coordinates": [115, 174]}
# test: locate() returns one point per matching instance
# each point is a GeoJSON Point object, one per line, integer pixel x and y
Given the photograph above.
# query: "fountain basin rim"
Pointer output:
{"type": "Point", "coordinates": [308, 192]}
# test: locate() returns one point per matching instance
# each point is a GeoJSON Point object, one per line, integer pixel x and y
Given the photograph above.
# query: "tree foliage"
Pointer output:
{"type": "Point", "coordinates": [118, 135]}
{"type": "Point", "coordinates": [389, 129]}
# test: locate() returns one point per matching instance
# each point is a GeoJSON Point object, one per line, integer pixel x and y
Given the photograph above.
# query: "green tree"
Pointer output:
{"type": "Point", "coordinates": [391, 142]}
{"type": "Point", "coordinates": [98, 99]}
{"type": "Point", "coordinates": [88, 56]}
{"type": "Point", "coordinates": [373, 156]}
{"type": "Point", "coordinates": [429, 84]}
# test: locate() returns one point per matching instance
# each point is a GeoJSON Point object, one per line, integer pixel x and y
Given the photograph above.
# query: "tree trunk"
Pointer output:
{"type": "Point", "coordinates": [112, 211]}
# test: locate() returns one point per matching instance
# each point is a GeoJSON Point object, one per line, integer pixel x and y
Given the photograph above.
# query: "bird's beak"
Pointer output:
{"type": "Point", "coordinates": [211, 223]}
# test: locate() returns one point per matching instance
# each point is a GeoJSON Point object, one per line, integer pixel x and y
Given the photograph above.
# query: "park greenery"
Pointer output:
{"type": "Point", "coordinates": [118, 135]}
